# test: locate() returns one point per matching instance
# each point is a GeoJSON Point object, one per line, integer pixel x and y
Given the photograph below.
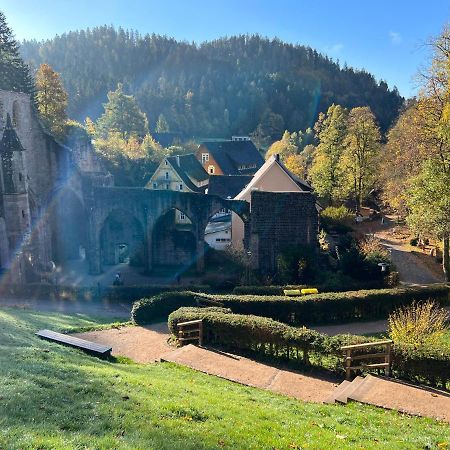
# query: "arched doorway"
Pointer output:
{"type": "Point", "coordinates": [70, 226]}
{"type": "Point", "coordinates": [122, 240]}
{"type": "Point", "coordinates": [174, 241]}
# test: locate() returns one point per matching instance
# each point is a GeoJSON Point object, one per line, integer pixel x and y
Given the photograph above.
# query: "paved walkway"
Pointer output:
{"type": "Point", "coordinates": [141, 344]}
{"type": "Point", "coordinates": [404, 397]}
{"type": "Point", "coordinates": [251, 373]}
{"type": "Point", "coordinates": [150, 344]}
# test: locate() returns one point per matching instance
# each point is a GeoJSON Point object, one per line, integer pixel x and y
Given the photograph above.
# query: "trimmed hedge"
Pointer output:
{"type": "Point", "coordinates": [316, 308]}
{"type": "Point", "coordinates": [268, 338]}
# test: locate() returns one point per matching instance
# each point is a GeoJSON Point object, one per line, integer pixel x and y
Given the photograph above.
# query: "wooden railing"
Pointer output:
{"type": "Point", "coordinates": [350, 357]}
{"type": "Point", "coordinates": [190, 331]}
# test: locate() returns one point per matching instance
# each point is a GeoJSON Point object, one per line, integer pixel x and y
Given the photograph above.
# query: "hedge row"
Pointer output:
{"type": "Point", "coordinates": [278, 289]}
{"type": "Point", "coordinates": [317, 308]}
{"type": "Point", "coordinates": [266, 337]}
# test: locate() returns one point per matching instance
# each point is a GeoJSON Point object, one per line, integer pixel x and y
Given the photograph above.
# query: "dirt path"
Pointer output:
{"type": "Point", "coordinates": [251, 373]}
{"type": "Point", "coordinates": [149, 344]}
{"type": "Point", "coordinates": [141, 344]}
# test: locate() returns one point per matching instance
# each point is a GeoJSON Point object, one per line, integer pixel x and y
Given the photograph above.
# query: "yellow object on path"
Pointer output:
{"type": "Point", "coordinates": [298, 292]}
{"type": "Point", "coordinates": [309, 291]}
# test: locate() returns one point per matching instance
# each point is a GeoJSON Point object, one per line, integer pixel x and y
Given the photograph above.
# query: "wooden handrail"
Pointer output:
{"type": "Point", "coordinates": [191, 322]}
{"type": "Point", "coordinates": [366, 344]}
{"type": "Point", "coordinates": [190, 334]}
{"type": "Point", "coordinates": [349, 358]}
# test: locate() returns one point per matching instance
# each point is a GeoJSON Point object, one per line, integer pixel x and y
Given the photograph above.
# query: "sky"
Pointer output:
{"type": "Point", "coordinates": [386, 37]}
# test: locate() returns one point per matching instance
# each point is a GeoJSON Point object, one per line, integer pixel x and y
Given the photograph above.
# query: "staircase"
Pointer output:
{"type": "Point", "coordinates": [394, 394]}
{"type": "Point", "coordinates": [350, 390]}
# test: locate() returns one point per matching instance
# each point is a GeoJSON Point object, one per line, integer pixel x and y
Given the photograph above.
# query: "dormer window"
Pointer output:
{"type": "Point", "coordinates": [205, 157]}
{"type": "Point", "coordinates": [155, 185]}
{"type": "Point", "coordinates": [181, 187]}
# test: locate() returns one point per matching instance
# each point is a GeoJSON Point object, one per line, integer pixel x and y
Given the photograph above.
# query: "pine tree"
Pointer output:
{"type": "Point", "coordinates": [51, 100]}
{"type": "Point", "coordinates": [14, 73]}
{"type": "Point", "coordinates": [122, 115]}
{"type": "Point", "coordinates": [162, 125]}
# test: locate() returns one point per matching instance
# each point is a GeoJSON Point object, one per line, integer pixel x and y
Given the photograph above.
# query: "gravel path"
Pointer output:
{"type": "Point", "coordinates": [141, 344]}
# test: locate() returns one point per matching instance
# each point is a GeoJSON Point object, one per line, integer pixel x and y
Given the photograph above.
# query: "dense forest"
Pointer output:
{"type": "Point", "coordinates": [235, 85]}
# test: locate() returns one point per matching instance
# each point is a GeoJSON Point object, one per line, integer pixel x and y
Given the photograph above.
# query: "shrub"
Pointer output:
{"type": "Point", "coordinates": [336, 219]}
{"type": "Point", "coordinates": [414, 241]}
{"type": "Point", "coordinates": [296, 264]}
{"type": "Point", "coordinates": [253, 333]}
{"type": "Point", "coordinates": [316, 308]}
{"type": "Point", "coordinates": [418, 324]}
{"type": "Point", "coordinates": [264, 337]}
{"type": "Point", "coordinates": [425, 364]}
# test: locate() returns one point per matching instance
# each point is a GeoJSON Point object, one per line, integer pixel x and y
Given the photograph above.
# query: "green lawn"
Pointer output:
{"type": "Point", "coordinates": [56, 397]}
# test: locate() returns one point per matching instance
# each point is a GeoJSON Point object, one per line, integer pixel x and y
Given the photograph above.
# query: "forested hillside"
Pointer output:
{"type": "Point", "coordinates": [229, 86]}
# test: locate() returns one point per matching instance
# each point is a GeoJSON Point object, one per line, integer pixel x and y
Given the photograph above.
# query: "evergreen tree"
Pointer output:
{"type": "Point", "coordinates": [161, 125]}
{"type": "Point", "coordinates": [51, 100]}
{"type": "Point", "coordinates": [14, 73]}
{"type": "Point", "coordinates": [122, 115]}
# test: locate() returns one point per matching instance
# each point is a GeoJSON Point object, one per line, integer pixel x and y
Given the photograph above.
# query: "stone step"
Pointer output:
{"type": "Point", "coordinates": [343, 396]}
{"type": "Point", "coordinates": [337, 391]}
{"type": "Point", "coordinates": [362, 388]}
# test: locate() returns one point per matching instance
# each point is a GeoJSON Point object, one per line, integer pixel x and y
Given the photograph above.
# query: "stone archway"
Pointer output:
{"type": "Point", "coordinates": [122, 240]}
{"type": "Point", "coordinates": [70, 238]}
{"type": "Point", "coordinates": [174, 241]}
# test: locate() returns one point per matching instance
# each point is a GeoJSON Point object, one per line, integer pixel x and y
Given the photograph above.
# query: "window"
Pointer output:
{"type": "Point", "coordinates": [181, 187]}
{"type": "Point", "coordinates": [1, 110]}
{"type": "Point", "coordinates": [167, 175]}
{"type": "Point", "coordinates": [155, 185]}
{"type": "Point", "coordinates": [23, 213]}
{"type": "Point", "coordinates": [205, 157]}
{"type": "Point", "coordinates": [182, 216]}
{"type": "Point", "coordinates": [167, 186]}
{"type": "Point", "coordinates": [20, 177]}
{"type": "Point", "coordinates": [166, 162]}
{"type": "Point", "coordinates": [211, 170]}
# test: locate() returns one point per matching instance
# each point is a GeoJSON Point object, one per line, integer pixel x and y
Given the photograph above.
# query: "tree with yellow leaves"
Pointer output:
{"type": "Point", "coordinates": [51, 100]}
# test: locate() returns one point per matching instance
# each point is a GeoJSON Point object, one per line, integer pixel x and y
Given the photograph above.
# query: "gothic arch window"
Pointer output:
{"type": "Point", "coordinates": [15, 113]}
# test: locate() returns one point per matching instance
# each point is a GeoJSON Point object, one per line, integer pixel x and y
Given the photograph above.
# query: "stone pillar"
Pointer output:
{"type": "Point", "coordinates": [93, 251]}
{"type": "Point", "coordinates": [148, 245]}
{"type": "Point", "coordinates": [200, 247]}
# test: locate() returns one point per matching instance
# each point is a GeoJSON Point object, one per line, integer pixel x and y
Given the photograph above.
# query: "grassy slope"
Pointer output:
{"type": "Point", "coordinates": [55, 397]}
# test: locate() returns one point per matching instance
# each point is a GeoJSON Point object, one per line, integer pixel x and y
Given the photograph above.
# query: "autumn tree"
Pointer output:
{"type": "Point", "coordinates": [359, 157]}
{"type": "Point", "coordinates": [51, 100]}
{"type": "Point", "coordinates": [326, 171]}
{"type": "Point", "coordinates": [402, 158]}
{"type": "Point", "coordinates": [429, 195]}
{"type": "Point", "coordinates": [122, 115]}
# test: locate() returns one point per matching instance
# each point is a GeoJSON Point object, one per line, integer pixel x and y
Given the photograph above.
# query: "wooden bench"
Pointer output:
{"type": "Point", "coordinates": [190, 331]}
{"type": "Point", "coordinates": [385, 355]}
{"type": "Point", "coordinates": [72, 341]}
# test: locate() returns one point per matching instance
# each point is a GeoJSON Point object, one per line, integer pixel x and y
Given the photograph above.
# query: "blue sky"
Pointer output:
{"type": "Point", "coordinates": [386, 37]}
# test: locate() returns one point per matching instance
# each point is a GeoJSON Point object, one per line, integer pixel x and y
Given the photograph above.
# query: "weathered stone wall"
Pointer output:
{"type": "Point", "coordinates": [279, 220]}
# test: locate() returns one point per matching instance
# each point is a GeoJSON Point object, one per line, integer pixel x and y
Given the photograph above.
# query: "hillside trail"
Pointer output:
{"type": "Point", "coordinates": [413, 269]}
